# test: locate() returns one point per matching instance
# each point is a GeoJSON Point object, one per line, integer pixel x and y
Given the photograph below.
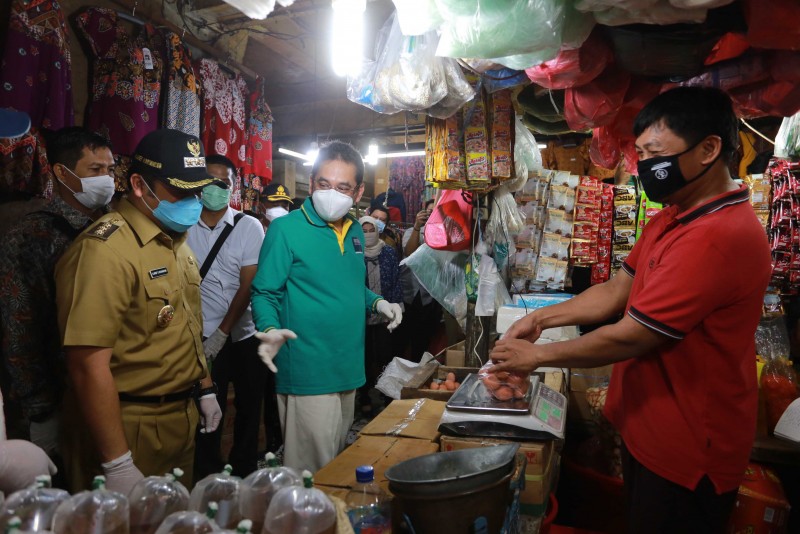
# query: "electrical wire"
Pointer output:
{"type": "Point", "coordinates": [764, 137]}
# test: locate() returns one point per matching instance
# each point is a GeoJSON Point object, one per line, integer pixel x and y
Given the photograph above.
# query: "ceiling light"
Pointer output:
{"type": "Point", "coordinates": [347, 36]}
{"type": "Point", "coordinates": [541, 146]}
{"type": "Point", "coordinates": [292, 153]}
{"type": "Point", "coordinates": [372, 153]}
{"type": "Point", "coordinates": [406, 154]}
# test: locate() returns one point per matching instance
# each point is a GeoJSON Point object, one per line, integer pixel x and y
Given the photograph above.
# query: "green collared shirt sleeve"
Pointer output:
{"type": "Point", "coordinates": [372, 300]}
{"type": "Point", "coordinates": [269, 285]}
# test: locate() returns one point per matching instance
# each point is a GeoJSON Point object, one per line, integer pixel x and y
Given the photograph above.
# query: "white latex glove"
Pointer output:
{"type": "Point", "coordinates": [214, 343]}
{"type": "Point", "coordinates": [121, 474]}
{"type": "Point", "coordinates": [210, 413]}
{"type": "Point", "coordinates": [271, 343]}
{"type": "Point", "coordinates": [45, 434]}
{"type": "Point", "coordinates": [20, 463]}
{"type": "Point", "coordinates": [392, 312]}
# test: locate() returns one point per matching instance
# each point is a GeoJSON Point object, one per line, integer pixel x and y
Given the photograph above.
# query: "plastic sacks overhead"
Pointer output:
{"type": "Point", "coordinates": [407, 76]}
{"type": "Point", "coordinates": [573, 67]}
{"type": "Point", "coordinates": [622, 12]}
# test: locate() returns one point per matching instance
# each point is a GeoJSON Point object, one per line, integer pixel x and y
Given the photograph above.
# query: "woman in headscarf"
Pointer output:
{"type": "Point", "coordinates": [383, 278]}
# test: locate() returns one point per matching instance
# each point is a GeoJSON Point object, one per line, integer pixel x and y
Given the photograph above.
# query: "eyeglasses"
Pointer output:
{"type": "Point", "coordinates": [325, 185]}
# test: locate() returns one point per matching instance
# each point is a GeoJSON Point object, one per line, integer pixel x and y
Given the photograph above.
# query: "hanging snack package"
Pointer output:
{"type": "Point", "coordinates": [34, 506]}
{"type": "Point", "coordinates": [99, 510]}
{"type": "Point", "coordinates": [223, 489]}
{"type": "Point", "coordinates": [504, 386]}
{"type": "Point", "coordinates": [502, 134]}
{"type": "Point", "coordinates": [546, 270]}
{"type": "Point", "coordinates": [152, 499]}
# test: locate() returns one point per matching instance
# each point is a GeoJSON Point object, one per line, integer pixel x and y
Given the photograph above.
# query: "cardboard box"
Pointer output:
{"type": "Point", "coordinates": [761, 505]}
{"type": "Point", "coordinates": [408, 418]}
{"type": "Point", "coordinates": [583, 379]}
{"type": "Point", "coordinates": [537, 453]}
{"type": "Point", "coordinates": [381, 452]}
{"type": "Point", "coordinates": [417, 386]}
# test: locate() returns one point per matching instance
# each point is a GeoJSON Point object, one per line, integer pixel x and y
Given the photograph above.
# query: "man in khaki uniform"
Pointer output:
{"type": "Point", "coordinates": [128, 297]}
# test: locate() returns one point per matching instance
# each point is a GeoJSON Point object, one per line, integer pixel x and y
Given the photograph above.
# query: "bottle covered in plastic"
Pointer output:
{"type": "Point", "coordinates": [368, 506]}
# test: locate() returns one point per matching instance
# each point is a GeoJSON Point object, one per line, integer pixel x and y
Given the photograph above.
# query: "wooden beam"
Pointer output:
{"type": "Point", "coordinates": [286, 50]}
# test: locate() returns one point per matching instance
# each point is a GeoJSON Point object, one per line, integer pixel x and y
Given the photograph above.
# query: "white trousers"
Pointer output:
{"type": "Point", "coordinates": [315, 427]}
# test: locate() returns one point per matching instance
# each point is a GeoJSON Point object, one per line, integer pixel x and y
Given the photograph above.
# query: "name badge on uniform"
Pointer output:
{"type": "Point", "coordinates": [357, 246]}
{"type": "Point", "coordinates": [158, 273]}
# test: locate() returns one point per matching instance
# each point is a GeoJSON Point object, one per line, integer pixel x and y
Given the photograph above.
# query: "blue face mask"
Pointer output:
{"type": "Point", "coordinates": [177, 216]}
{"type": "Point", "coordinates": [381, 225]}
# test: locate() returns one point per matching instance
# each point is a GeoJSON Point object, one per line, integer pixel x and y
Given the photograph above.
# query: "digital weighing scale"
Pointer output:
{"type": "Point", "coordinates": [471, 411]}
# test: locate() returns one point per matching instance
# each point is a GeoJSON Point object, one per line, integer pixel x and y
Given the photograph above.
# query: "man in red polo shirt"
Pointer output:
{"type": "Point", "coordinates": [683, 391]}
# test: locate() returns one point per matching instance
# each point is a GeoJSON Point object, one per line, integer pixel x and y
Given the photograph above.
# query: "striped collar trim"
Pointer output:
{"type": "Point", "coordinates": [723, 201]}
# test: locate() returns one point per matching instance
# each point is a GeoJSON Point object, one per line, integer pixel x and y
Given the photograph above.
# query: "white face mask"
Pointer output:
{"type": "Point", "coordinates": [273, 213]}
{"type": "Point", "coordinates": [330, 204]}
{"type": "Point", "coordinates": [371, 238]}
{"type": "Point", "coordinates": [97, 190]}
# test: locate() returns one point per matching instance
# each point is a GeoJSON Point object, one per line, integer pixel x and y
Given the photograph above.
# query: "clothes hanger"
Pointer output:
{"type": "Point", "coordinates": [132, 17]}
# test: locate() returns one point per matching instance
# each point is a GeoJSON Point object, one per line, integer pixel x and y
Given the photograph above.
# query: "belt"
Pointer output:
{"type": "Point", "coordinates": [157, 399]}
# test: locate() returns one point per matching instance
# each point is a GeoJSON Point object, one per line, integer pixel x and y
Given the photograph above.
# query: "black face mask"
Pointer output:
{"type": "Point", "coordinates": [661, 176]}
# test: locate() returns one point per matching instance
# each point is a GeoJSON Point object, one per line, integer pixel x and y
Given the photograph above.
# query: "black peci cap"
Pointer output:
{"type": "Point", "coordinates": [275, 193]}
{"type": "Point", "coordinates": [173, 157]}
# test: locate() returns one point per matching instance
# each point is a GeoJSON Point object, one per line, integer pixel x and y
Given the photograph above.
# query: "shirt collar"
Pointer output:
{"type": "Point", "coordinates": [145, 229]}
{"type": "Point", "coordinates": [227, 218]}
{"type": "Point", "coordinates": [75, 218]}
{"type": "Point", "coordinates": [729, 198]}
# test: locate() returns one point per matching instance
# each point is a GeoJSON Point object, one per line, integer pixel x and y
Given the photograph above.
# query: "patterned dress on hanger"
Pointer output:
{"type": "Point", "coordinates": [35, 74]}
{"type": "Point", "coordinates": [182, 100]}
{"type": "Point", "coordinates": [24, 167]}
{"type": "Point", "coordinates": [224, 118]}
{"type": "Point", "coordinates": [127, 79]}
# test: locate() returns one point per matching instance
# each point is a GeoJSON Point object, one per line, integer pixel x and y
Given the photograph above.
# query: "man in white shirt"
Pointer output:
{"type": "Point", "coordinates": [230, 346]}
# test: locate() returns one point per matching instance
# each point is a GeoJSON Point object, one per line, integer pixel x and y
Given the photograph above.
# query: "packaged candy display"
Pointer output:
{"type": "Point", "coordinates": [300, 510]}
{"type": "Point", "coordinates": [191, 522]}
{"type": "Point", "coordinates": [588, 200]}
{"type": "Point", "coordinates": [503, 385]}
{"type": "Point", "coordinates": [99, 510]}
{"type": "Point", "coordinates": [647, 210]}
{"type": "Point", "coordinates": [601, 271]}
{"type": "Point", "coordinates": [223, 489]}
{"type": "Point", "coordinates": [784, 225]}
{"type": "Point", "coordinates": [624, 224]}
{"type": "Point", "coordinates": [259, 487]}
{"type": "Point", "coordinates": [154, 498]}
{"type": "Point", "coordinates": [760, 196]}
{"type": "Point", "coordinates": [34, 506]}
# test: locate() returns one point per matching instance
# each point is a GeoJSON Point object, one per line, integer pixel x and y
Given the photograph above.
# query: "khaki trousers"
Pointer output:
{"type": "Point", "coordinates": [315, 427]}
{"type": "Point", "coordinates": [160, 436]}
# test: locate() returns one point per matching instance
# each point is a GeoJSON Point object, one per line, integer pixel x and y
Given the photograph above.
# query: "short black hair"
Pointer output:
{"type": "Point", "coordinates": [693, 113]}
{"type": "Point", "coordinates": [66, 145]}
{"type": "Point", "coordinates": [379, 207]}
{"type": "Point", "coordinates": [429, 201]}
{"type": "Point", "coordinates": [339, 150]}
{"type": "Point", "coordinates": [219, 159]}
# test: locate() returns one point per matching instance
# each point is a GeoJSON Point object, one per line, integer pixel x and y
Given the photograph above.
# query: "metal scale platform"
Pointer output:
{"type": "Point", "coordinates": [471, 411]}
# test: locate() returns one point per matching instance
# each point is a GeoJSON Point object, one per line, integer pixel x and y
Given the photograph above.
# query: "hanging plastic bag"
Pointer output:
{"type": "Point", "coordinates": [417, 17]}
{"type": "Point", "coordinates": [441, 273]}
{"type": "Point", "coordinates": [596, 103]}
{"type": "Point", "coordinates": [748, 69]}
{"type": "Point", "coordinates": [773, 25]}
{"type": "Point", "coordinates": [575, 67]}
{"type": "Point", "coordinates": [526, 61]}
{"type": "Point", "coordinates": [498, 79]}
{"type": "Point", "coordinates": [768, 98]}
{"type": "Point", "coordinates": [459, 91]}
{"type": "Point", "coordinates": [784, 66]}
{"type": "Point", "coordinates": [542, 103]}
{"type": "Point", "coordinates": [661, 13]}
{"type": "Point", "coordinates": [526, 149]}
{"type": "Point", "coordinates": [505, 221]}
{"type": "Point", "coordinates": [450, 225]}
{"type": "Point", "coordinates": [787, 142]}
{"type": "Point", "coordinates": [604, 150]}
{"type": "Point", "coordinates": [577, 26]}
{"type": "Point", "coordinates": [492, 292]}
{"type": "Point", "coordinates": [498, 28]}
{"type": "Point", "coordinates": [730, 46]}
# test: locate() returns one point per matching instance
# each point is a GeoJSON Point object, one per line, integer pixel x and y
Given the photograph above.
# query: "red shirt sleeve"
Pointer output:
{"type": "Point", "coordinates": [682, 288]}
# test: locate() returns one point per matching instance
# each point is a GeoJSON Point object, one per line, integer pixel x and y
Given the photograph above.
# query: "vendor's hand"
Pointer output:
{"type": "Point", "coordinates": [421, 219]}
{"type": "Point", "coordinates": [210, 413]}
{"type": "Point", "coordinates": [515, 355]}
{"type": "Point", "coordinates": [20, 463]}
{"type": "Point", "coordinates": [121, 474]}
{"type": "Point", "coordinates": [45, 434]}
{"type": "Point", "coordinates": [271, 343]}
{"type": "Point", "coordinates": [214, 343]}
{"type": "Point", "coordinates": [391, 311]}
{"type": "Point", "coordinates": [527, 328]}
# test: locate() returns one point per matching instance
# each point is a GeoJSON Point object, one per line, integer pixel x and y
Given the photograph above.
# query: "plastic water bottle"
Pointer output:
{"type": "Point", "coordinates": [368, 505]}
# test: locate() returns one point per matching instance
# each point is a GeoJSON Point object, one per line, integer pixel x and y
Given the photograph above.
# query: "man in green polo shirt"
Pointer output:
{"type": "Point", "coordinates": [309, 297]}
